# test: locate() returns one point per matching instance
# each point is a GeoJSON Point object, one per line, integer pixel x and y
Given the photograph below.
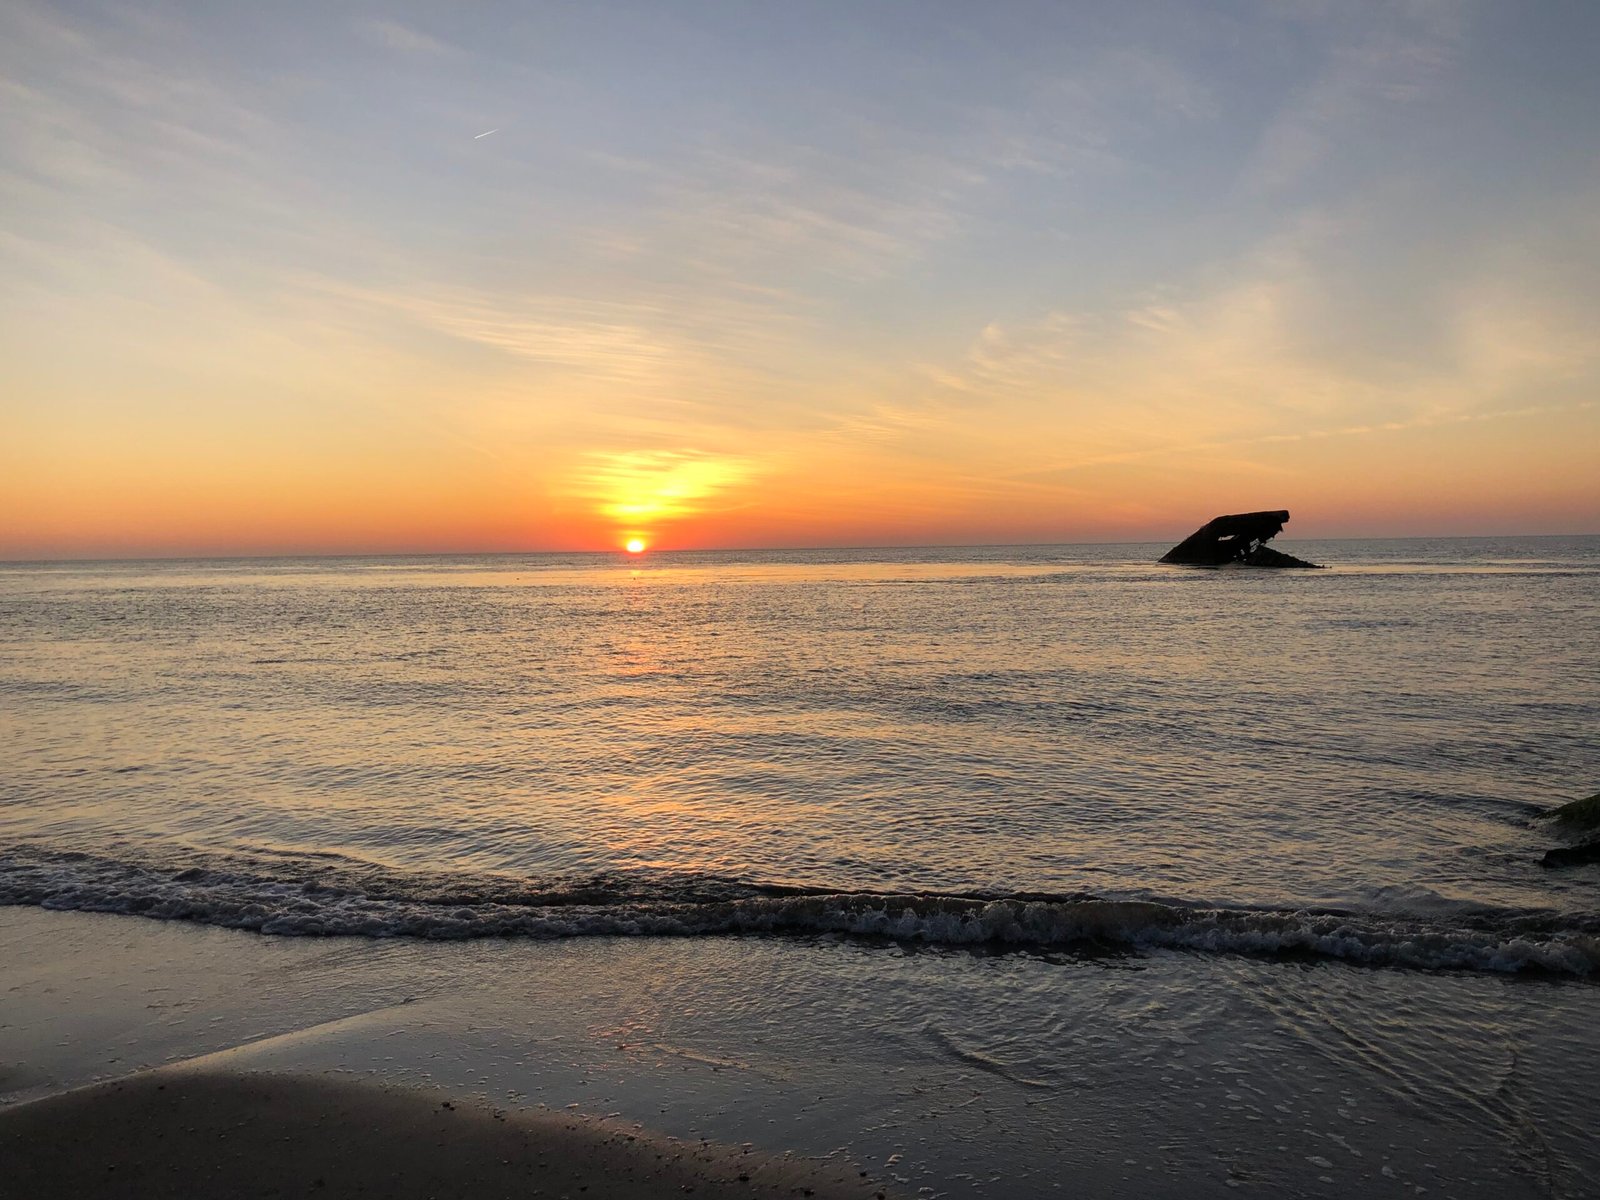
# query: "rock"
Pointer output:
{"type": "Point", "coordinates": [1580, 814]}
{"type": "Point", "coordinates": [1239, 538]}
{"type": "Point", "coordinates": [1572, 856]}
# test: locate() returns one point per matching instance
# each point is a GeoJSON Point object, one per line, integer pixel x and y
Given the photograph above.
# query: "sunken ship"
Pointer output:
{"type": "Point", "coordinates": [1239, 539]}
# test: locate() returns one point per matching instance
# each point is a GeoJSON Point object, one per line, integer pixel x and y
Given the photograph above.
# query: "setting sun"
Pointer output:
{"type": "Point", "coordinates": [634, 546]}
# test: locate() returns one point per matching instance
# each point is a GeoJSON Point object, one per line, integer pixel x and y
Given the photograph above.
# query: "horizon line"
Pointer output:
{"type": "Point", "coordinates": [619, 553]}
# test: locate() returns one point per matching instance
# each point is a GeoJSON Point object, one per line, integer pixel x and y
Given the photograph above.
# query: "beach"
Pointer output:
{"type": "Point", "coordinates": [215, 1088]}
{"type": "Point", "coordinates": [189, 1132]}
{"type": "Point", "coordinates": [935, 1072]}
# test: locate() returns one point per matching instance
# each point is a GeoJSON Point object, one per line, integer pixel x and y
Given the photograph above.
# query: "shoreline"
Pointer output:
{"type": "Point", "coordinates": [940, 1072]}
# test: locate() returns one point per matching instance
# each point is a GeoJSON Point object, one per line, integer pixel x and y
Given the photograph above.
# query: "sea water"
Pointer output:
{"type": "Point", "coordinates": [1028, 745]}
{"type": "Point", "coordinates": [1015, 760]}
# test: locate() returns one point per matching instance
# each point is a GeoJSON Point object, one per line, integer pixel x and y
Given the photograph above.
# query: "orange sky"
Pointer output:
{"type": "Point", "coordinates": [1056, 280]}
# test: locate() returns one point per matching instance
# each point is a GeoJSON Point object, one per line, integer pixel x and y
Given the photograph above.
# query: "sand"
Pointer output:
{"type": "Point", "coordinates": [183, 1132]}
{"type": "Point", "coordinates": [971, 1076]}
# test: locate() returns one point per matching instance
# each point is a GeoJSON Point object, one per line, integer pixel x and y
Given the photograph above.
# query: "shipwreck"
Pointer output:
{"type": "Point", "coordinates": [1237, 540]}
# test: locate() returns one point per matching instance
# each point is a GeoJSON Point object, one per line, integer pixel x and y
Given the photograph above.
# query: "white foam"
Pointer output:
{"type": "Point", "coordinates": [377, 904]}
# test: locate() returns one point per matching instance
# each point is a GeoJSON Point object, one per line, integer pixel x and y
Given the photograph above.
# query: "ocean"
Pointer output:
{"type": "Point", "coordinates": [1048, 814]}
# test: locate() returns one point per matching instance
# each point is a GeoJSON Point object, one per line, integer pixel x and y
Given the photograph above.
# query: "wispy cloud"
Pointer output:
{"type": "Point", "coordinates": [1364, 78]}
{"type": "Point", "coordinates": [392, 35]}
{"type": "Point", "coordinates": [646, 346]}
{"type": "Point", "coordinates": [741, 215]}
{"type": "Point", "coordinates": [1188, 449]}
{"type": "Point", "coordinates": [1245, 364]}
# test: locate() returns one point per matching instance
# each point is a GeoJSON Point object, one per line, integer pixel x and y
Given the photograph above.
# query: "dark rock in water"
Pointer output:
{"type": "Point", "coordinates": [1573, 856]}
{"type": "Point", "coordinates": [1240, 538]}
{"type": "Point", "coordinates": [1580, 814]}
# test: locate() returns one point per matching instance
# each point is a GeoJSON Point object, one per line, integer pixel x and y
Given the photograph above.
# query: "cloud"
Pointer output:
{"type": "Point", "coordinates": [104, 125]}
{"type": "Point", "coordinates": [1084, 120]}
{"type": "Point", "coordinates": [1265, 356]}
{"type": "Point", "coordinates": [1367, 73]}
{"type": "Point", "coordinates": [645, 490]}
{"type": "Point", "coordinates": [1187, 450]}
{"type": "Point", "coordinates": [637, 346]}
{"type": "Point", "coordinates": [771, 213]}
{"type": "Point", "coordinates": [392, 35]}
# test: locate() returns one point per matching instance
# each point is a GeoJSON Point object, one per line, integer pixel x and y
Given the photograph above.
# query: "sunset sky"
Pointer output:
{"type": "Point", "coordinates": [762, 274]}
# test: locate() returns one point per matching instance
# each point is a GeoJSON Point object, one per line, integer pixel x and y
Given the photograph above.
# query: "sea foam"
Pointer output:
{"type": "Point", "coordinates": [310, 897]}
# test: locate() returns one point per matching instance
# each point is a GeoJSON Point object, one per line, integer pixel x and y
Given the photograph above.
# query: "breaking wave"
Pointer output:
{"type": "Point", "coordinates": [330, 895]}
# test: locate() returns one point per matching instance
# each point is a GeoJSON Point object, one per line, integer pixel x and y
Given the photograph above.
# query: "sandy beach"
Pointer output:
{"type": "Point", "coordinates": [196, 1132]}
{"type": "Point", "coordinates": [180, 1054]}
{"type": "Point", "coordinates": [140, 1060]}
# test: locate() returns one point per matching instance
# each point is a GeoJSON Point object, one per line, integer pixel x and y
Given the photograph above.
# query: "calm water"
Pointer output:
{"type": "Point", "coordinates": [1024, 745]}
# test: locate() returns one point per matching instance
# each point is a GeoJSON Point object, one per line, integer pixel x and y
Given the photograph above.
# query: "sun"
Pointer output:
{"type": "Point", "coordinates": [634, 545]}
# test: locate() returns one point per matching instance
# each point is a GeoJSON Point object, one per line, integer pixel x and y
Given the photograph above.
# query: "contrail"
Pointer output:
{"type": "Point", "coordinates": [484, 134]}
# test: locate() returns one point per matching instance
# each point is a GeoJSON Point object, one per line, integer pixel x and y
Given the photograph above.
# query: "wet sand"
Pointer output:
{"type": "Point", "coordinates": [181, 1132]}
{"type": "Point", "coordinates": [1162, 1076]}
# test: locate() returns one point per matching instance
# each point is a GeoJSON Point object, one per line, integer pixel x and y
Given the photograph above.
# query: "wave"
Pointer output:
{"type": "Point", "coordinates": [329, 895]}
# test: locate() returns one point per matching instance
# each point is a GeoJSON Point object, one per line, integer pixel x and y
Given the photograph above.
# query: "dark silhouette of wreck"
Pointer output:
{"type": "Point", "coordinates": [1238, 539]}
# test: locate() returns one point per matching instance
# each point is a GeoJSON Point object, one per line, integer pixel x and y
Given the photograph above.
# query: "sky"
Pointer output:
{"type": "Point", "coordinates": [339, 277]}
